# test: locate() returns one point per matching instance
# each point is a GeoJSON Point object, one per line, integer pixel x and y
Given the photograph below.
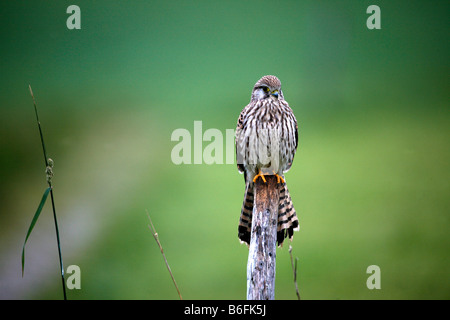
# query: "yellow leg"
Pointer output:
{"type": "Point", "coordinates": [280, 178]}
{"type": "Point", "coordinates": [260, 174]}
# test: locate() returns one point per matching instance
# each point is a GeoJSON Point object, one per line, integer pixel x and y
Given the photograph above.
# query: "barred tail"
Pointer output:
{"type": "Point", "coordinates": [287, 218]}
{"type": "Point", "coordinates": [245, 222]}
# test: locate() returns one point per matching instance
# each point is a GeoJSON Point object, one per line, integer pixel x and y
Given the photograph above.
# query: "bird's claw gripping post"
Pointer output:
{"type": "Point", "coordinates": [260, 174]}
{"type": "Point", "coordinates": [280, 178]}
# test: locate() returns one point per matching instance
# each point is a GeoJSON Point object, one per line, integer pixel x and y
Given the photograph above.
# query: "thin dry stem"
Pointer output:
{"type": "Point", "coordinates": [294, 270]}
{"type": "Point", "coordinates": [155, 235]}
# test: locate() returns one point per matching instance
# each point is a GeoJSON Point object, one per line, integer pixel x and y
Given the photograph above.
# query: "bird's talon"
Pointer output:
{"type": "Point", "coordinates": [280, 178]}
{"type": "Point", "coordinates": [260, 174]}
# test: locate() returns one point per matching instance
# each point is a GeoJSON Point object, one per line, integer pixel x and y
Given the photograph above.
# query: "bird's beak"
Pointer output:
{"type": "Point", "coordinates": [275, 93]}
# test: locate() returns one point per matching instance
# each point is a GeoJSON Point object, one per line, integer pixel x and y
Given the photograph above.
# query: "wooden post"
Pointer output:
{"type": "Point", "coordinates": [262, 251]}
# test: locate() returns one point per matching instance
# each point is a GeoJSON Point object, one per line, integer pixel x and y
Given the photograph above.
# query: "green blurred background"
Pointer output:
{"type": "Point", "coordinates": [370, 181]}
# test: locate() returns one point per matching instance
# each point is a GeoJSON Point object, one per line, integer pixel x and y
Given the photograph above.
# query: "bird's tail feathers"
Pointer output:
{"type": "Point", "coordinates": [287, 217]}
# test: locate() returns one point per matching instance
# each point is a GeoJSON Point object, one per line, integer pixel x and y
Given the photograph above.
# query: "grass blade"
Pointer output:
{"type": "Point", "coordinates": [49, 172]}
{"type": "Point", "coordinates": [33, 222]}
{"type": "Point", "coordinates": [155, 235]}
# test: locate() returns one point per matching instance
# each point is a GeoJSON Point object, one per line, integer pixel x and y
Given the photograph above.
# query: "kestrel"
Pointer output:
{"type": "Point", "coordinates": [266, 142]}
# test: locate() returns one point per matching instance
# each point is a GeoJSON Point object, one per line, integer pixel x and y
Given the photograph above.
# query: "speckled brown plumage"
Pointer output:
{"type": "Point", "coordinates": [266, 142]}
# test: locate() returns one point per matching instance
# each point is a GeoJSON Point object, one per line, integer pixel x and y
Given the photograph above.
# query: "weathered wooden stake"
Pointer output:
{"type": "Point", "coordinates": [262, 251]}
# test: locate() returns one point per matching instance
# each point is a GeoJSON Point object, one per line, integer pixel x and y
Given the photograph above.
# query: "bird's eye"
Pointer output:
{"type": "Point", "coordinates": [266, 89]}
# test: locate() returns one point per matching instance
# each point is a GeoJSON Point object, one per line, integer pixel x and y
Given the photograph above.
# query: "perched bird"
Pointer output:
{"type": "Point", "coordinates": [266, 142]}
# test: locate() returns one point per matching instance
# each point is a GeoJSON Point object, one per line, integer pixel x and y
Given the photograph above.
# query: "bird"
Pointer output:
{"type": "Point", "coordinates": [266, 142]}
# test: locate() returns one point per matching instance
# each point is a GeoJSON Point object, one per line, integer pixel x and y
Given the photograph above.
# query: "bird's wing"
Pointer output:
{"type": "Point", "coordinates": [296, 135]}
{"type": "Point", "coordinates": [239, 127]}
{"type": "Point", "coordinates": [289, 165]}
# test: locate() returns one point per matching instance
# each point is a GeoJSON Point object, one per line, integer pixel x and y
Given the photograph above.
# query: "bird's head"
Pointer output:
{"type": "Point", "coordinates": [268, 87]}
